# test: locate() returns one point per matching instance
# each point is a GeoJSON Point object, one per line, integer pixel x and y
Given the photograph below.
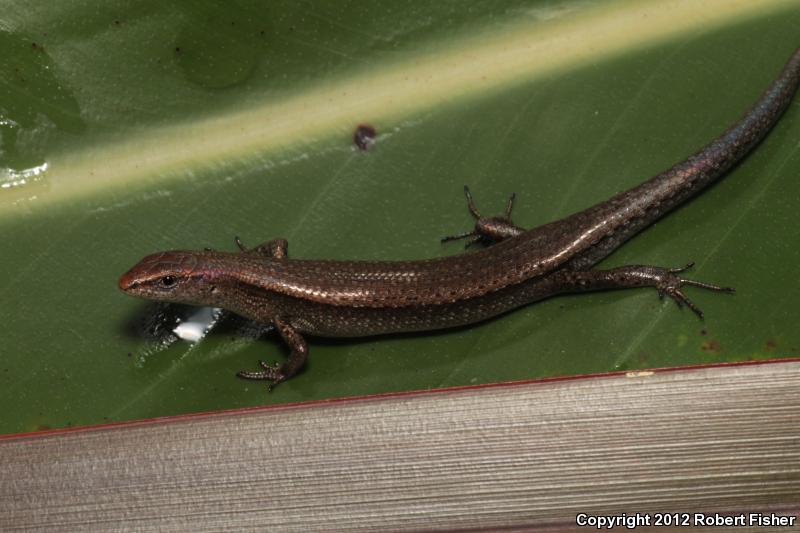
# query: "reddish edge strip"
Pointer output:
{"type": "Point", "coordinates": [381, 396]}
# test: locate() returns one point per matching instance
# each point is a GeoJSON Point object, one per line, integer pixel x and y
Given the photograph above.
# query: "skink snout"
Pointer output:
{"type": "Point", "coordinates": [127, 281]}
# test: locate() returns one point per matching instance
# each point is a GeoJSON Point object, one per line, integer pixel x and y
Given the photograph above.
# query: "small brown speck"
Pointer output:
{"type": "Point", "coordinates": [364, 136]}
{"type": "Point", "coordinates": [703, 332]}
{"type": "Point", "coordinates": [771, 345]}
{"type": "Point", "coordinates": [711, 346]}
{"type": "Point", "coordinates": [130, 354]}
{"type": "Point", "coordinates": [178, 49]}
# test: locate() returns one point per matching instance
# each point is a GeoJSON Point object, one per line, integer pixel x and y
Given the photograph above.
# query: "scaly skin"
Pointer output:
{"type": "Point", "coordinates": [361, 298]}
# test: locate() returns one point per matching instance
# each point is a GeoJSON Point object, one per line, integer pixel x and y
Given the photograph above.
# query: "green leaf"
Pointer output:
{"type": "Point", "coordinates": [131, 128]}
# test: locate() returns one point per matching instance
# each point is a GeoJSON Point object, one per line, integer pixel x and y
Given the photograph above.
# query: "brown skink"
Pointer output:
{"type": "Point", "coordinates": [361, 298]}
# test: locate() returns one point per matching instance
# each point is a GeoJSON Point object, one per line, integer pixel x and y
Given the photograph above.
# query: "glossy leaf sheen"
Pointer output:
{"type": "Point", "coordinates": [81, 76]}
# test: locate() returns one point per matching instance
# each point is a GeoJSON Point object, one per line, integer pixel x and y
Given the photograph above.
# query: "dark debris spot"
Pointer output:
{"type": "Point", "coordinates": [711, 346]}
{"type": "Point", "coordinates": [703, 332]}
{"type": "Point", "coordinates": [771, 345]}
{"type": "Point", "coordinates": [364, 136]}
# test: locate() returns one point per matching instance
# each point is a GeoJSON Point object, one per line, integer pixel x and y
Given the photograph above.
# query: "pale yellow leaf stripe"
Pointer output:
{"type": "Point", "coordinates": [463, 68]}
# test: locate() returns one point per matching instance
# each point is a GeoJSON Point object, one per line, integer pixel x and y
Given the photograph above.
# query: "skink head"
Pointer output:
{"type": "Point", "coordinates": [168, 276]}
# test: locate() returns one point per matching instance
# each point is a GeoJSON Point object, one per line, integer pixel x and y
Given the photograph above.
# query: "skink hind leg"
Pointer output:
{"type": "Point", "coordinates": [488, 230]}
{"type": "Point", "coordinates": [665, 280]}
{"type": "Point", "coordinates": [277, 373]}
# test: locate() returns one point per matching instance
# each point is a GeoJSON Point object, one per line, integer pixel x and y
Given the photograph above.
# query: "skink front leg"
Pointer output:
{"type": "Point", "coordinates": [277, 373]}
{"type": "Point", "coordinates": [666, 280]}
{"type": "Point", "coordinates": [276, 248]}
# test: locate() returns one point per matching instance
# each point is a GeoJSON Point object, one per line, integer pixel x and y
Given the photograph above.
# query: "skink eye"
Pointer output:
{"type": "Point", "coordinates": [168, 281]}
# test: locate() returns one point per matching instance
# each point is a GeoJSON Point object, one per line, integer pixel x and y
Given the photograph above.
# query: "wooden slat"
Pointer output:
{"type": "Point", "coordinates": [515, 456]}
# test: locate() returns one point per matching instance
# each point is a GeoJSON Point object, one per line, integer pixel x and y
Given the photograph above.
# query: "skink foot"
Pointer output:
{"type": "Point", "coordinates": [670, 285]}
{"type": "Point", "coordinates": [277, 373]}
{"type": "Point", "coordinates": [272, 372]}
